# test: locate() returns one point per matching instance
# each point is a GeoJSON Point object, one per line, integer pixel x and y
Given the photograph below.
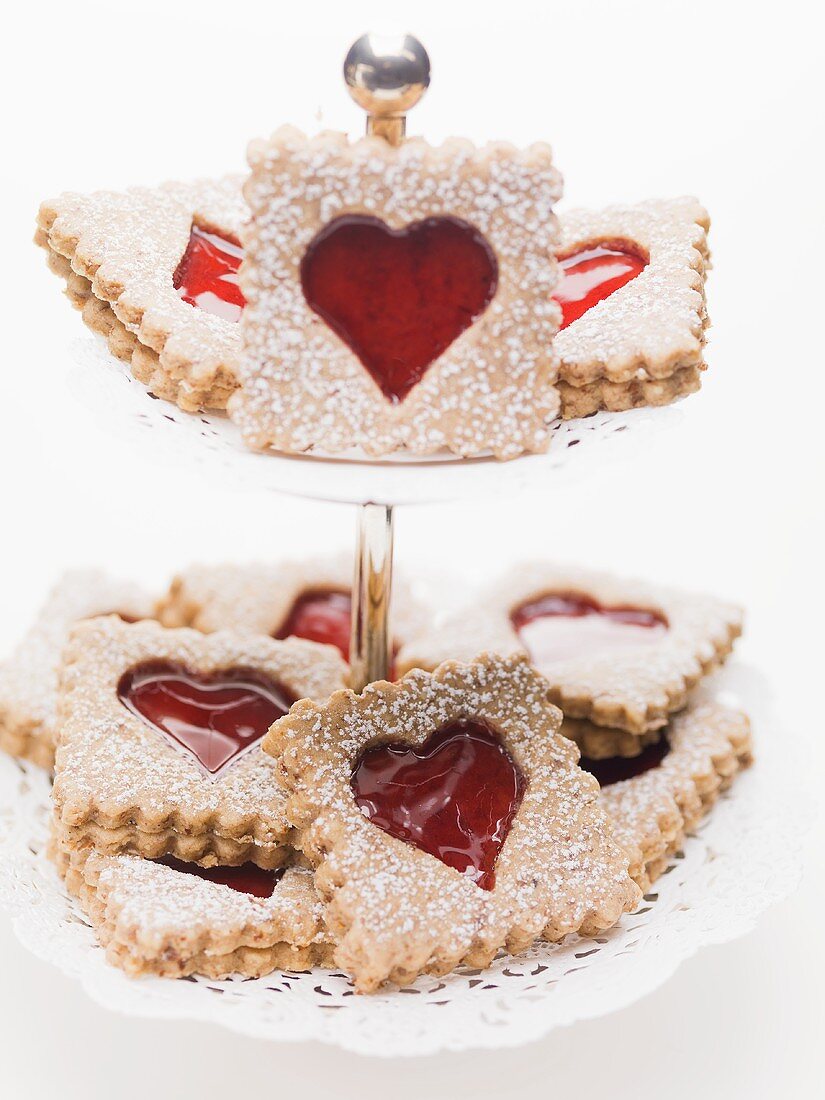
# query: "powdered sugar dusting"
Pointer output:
{"type": "Point", "coordinates": [115, 772]}
{"type": "Point", "coordinates": [29, 678]}
{"type": "Point", "coordinates": [302, 387]}
{"type": "Point", "coordinates": [397, 911]}
{"type": "Point", "coordinates": [127, 245]}
{"type": "Point", "coordinates": [651, 812]}
{"type": "Point", "coordinates": [634, 690]}
{"type": "Point", "coordinates": [257, 598]}
{"type": "Point", "coordinates": [118, 252]}
{"type": "Point", "coordinates": [654, 325]}
{"type": "Point", "coordinates": [159, 900]}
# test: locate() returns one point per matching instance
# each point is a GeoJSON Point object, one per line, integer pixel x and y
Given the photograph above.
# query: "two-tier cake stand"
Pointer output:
{"type": "Point", "coordinates": [737, 864]}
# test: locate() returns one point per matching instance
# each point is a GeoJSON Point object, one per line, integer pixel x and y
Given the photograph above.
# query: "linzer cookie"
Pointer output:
{"type": "Point", "coordinates": [29, 678]}
{"type": "Point", "coordinates": [155, 271]}
{"type": "Point", "coordinates": [398, 297]}
{"type": "Point", "coordinates": [619, 653]}
{"type": "Point", "coordinates": [173, 919]}
{"type": "Point", "coordinates": [632, 292]}
{"type": "Point", "coordinates": [308, 599]}
{"type": "Point", "coordinates": [654, 799]}
{"type": "Point", "coordinates": [160, 730]}
{"type": "Point", "coordinates": [447, 819]}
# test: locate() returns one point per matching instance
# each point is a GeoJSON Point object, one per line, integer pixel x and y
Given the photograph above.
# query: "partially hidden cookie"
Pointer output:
{"type": "Point", "coordinates": [601, 743]}
{"type": "Point", "coordinates": [447, 820]}
{"type": "Point", "coordinates": [654, 799]}
{"type": "Point", "coordinates": [29, 678]}
{"type": "Point", "coordinates": [632, 291]}
{"type": "Point", "coordinates": [155, 271]}
{"type": "Point", "coordinates": [398, 298]}
{"type": "Point", "coordinates": [174, 919]}
{"type": "Point", "coordinates": [306, 599]}
{"type": "Point", "coordinates": [620, 653]}
{"type": "Point", "coordinates": [159, 745]}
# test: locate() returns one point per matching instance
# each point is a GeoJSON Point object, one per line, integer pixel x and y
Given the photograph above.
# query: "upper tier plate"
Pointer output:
{"type": "Point", "coordinates": [211, 441]}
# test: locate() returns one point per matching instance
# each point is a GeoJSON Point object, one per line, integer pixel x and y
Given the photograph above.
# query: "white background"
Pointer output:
{"type": "Point", "coordinates": [639, 99]}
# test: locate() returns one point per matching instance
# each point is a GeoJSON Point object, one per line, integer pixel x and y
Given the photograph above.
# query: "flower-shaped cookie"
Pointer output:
{"type": "Point", "coordinates": [620, 653]}
{"type": "Point", "coordinates": [159, 740]}
{"type": "Point", "coordinates": [662, 794]}
{"type": "Point", "coordinates": [28, 679]}
{"type": "Point", "coordinates": [398, 297]}
{"type": "Point", "coordinates": [306, 599]}
{"type": "Point", "coordinates": [447, 819]}
{"type": "Point", "coordinates": [154, 270]}
{"type": "Point", "coordinates": [632, 290]}
{"type": "Point", "coordinates": [181, 919]}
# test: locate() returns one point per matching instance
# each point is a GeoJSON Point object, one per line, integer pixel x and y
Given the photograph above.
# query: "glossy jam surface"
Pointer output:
{"type": "Point", "coordinates": [560, 625]}
{"type": "Point", "coordinates": [323, 616]}
{"type": "Point", "coordinates": [593, 274]}
{"type": "Point", "coordinates": [454, 797]}
{"type": "Point", "coordinates": [207, 275]}
{"type": "Point", "coordinates": [215, 717]}
{"type": "Point", "coordinates": [398, 298]}
{"type": "Point", "coordinates": [246, 879]}
{"type": "Point", "coordinates": [614, 769]}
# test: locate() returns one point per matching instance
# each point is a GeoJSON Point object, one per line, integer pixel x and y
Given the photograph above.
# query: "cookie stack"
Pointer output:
{"type": "Point", "coordinates": [156, 272]}
{"type": "Point", "coordinates": [223, 804]}
{"type": "Point", "coordinates": [625, 661]}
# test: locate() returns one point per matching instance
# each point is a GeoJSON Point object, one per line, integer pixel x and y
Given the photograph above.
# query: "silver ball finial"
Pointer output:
{"type": "Point", "coordinates": [387, 75]}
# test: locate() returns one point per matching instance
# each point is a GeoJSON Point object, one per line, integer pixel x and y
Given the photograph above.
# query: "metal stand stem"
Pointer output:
{"type": "Point", "coordinates": [371, 589]}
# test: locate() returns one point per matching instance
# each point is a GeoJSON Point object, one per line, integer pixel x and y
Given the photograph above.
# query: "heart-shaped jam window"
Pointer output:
{"type": "Point", "coordinates": [323, 616]}
{"type": "Point", "coordinates": [560, 625]}
{"type": "Point", "coordinates": [207, 275]}
{"type": "Point", "coordinates": [615, 769]}
{"type": "Point", "coordinates": [213, 716]}
{"type": "Point", "coordinates": [398, 297]}
{"type": "Point", "coordinates": [454, 797]}
{"type": "Point", "coordinates": [594, 273]}
{"type": "Point", "coordinates": [246, 879]}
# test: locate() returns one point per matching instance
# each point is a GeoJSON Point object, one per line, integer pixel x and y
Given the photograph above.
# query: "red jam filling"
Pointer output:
{"type": "Point", "coordinates": [593, 274]}
{"type": "Point", "coordinates": [615, 769]}
{"type": "Point", "coordinates": [215, 716]}
{"type": "Point", "coordinates": [246, 879]}
{"type": "Point", "coordinates": [321, 616]}
{"type": "Point", "coordinates": [324, 617]}
{"type": "Point", "coordinates": [207, 275]}
{"type": "Point", "coordinates": [560, 625]}
{"type": "Point", "coordinates": [454, 797]}
{"type": "Point", "coordinates": [398, 297]}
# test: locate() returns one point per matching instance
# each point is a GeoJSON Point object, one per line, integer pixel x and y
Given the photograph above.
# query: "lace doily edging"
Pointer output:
{"type": "Point", "coordinates": [746, 857]}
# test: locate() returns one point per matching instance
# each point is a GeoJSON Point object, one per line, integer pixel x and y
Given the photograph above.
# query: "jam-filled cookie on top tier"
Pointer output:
{"type": "Point", "coordinates": [632, 292]}
{"type": "Point", "coordinates": [155, 271]}
{"type": "Point", "coordinates": [398, 298]}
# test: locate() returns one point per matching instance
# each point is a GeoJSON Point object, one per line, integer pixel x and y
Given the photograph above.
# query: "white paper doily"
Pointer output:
{"type": "Point", "coordinates": [212, 443]}
{"type": "Point", "coordinates": [744, 858]}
